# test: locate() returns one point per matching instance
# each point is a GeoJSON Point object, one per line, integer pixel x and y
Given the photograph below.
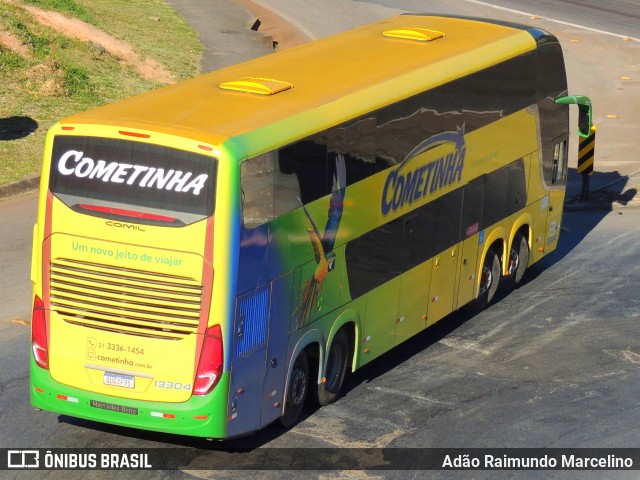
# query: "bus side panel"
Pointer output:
{"type": "Point", "coordinates": [413, 302]}
{"type": "Point", "coordinates": [539, 214]}
{"type": "Point", "coordinates": [380, 321]}
{"type": "Point", "coordinates": [243, 414]}
{"type": "Point", "coordinates": [467, 266]}
{"type": "Point", "coordinates": [313, 299]}
{"type": "Point", "coordinates": [443, 284]}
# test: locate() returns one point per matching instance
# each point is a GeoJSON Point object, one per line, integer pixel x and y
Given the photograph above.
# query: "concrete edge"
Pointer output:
{"type": "Point", "coordinates": [252, 26]}
{"type": "Point", "coordinates": [18, 188]}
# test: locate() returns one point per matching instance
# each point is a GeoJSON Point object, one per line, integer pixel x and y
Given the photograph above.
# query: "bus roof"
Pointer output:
{"type": "Point", "coordinates": [323, 83]}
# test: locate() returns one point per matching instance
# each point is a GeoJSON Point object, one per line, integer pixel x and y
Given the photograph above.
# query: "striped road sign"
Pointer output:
{"type": "Point", "coordinates": [587, 147]}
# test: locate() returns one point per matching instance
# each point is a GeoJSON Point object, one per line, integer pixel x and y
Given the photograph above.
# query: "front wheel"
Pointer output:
{"type": "Point", "coordinates": [329, 389]}
{"type": "Point", "coordinates": [296, 391]}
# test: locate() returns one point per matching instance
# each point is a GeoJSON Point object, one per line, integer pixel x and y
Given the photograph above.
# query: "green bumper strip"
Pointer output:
{"type": "Point", "coordinates": [200, 416]}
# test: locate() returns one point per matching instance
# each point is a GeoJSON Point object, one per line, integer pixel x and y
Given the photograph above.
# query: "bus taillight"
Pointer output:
{"type": "Point", "coordinates": [39, 342]}
{"type": "Point", "coordinates": [210, 364]}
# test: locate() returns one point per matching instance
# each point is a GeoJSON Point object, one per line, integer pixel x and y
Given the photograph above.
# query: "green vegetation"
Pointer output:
{"type": "Point", "coordinates": [59, 76]}
{"type": "Point", "coordinates": [68, 7]}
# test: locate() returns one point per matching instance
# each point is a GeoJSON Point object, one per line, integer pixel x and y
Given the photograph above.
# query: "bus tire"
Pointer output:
{"type": "Point", "coordinates": [296, 391]}
{"type": "Point", "coordinates": [337, 359]}
{"type": "Point", "coordinates": [518, 260]}
{"type": "Point", "coordinates": [489, 280]}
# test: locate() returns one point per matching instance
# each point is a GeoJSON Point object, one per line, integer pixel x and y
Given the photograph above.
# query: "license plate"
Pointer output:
{"type": "Point", "coordinates": [117, 380]}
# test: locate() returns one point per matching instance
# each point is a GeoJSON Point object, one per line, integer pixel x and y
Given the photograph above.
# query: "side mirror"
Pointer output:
{"type": "Point", "coordinates": [584, 112]}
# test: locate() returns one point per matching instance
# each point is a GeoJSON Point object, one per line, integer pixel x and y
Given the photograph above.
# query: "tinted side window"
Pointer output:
{"type": "Point", "coordinates": [268, 191]}
{"type": "Point", "coordinates": [391, 249]}
{"type": "Point", "coordinates": [505, 192]}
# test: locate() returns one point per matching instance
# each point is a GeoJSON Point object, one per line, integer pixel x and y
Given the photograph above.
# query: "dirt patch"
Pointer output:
{"type": "Point", "coordinates": [72, 27]}
{"type": "Point", "coordinates": [14, 44]}
{"type": "Point", "coordinates": [283, 33]}
{"type": "Point", "coordinates": [46, 78]}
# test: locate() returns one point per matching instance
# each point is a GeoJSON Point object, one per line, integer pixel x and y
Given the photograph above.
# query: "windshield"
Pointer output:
{"type": "Point", "coordinates": [111, 174]}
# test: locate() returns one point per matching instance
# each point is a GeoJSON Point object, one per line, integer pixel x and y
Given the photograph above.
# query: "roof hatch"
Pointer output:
{"type": "Point", "coordinates": [259, 86]}
{"type": "Point", "coordinates": [417, 34]}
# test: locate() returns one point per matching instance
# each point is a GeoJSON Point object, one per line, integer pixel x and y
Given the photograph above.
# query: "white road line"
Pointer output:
{"type": "Point", "coordinates": [554, 20]}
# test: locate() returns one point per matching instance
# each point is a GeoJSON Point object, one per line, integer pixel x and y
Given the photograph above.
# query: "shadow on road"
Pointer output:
{"type": "Point", "coordinates": [13, 128]}
{"type": "Point", "coordinates": [606, 190]}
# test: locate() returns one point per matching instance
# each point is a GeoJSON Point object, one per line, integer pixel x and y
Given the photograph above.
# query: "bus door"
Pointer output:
{"type": "Point", "coordinates": [273, 395]}
{"type": "Point", "coordinates": [557, 193]}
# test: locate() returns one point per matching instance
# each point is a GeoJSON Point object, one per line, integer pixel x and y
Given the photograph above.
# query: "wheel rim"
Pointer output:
{"type": "Point", "coordinates": [486, 280]}
{"type": "Point", "coordinates": [298, 387]}
{"type": "Point", "coordinates": [514, 260]}
{"type": "Point", "coordinates": [518, 260]}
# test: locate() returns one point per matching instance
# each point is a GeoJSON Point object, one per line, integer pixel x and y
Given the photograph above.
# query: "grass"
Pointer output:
{"type": "Point", "coordinates": [64, 76]}
{"type": "Point", "coordinates": [68, 7]}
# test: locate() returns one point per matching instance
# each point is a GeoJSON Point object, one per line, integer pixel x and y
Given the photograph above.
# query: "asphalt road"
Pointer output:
{"type": "Point", "coordinates": [553, 364]}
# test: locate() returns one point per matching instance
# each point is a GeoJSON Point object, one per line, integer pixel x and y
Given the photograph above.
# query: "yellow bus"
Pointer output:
{"type": "Point", "coordinates": [210, 255]}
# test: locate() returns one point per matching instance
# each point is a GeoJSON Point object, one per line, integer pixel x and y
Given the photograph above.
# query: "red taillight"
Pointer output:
{"type": "Point", "coordinates": [39, 341]}
{"type": "Point", "coordinates": [134, 134]}
{"type": "Point", "coordinates": [127, 213]}
{"type": "Point", "coordinates": [210, 364]}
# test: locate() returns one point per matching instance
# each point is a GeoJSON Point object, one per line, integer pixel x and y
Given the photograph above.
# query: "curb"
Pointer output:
{"type": "Point", "coordinates": [19, 187]}
{"type": "Point", "coordinates": [253, 29]}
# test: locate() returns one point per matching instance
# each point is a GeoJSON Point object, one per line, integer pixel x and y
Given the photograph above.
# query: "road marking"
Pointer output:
{"type": "Point", "coordinates": [554, 20]}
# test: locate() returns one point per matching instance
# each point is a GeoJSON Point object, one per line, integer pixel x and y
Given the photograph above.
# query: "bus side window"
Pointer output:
{"type": "Point", "coordinates": [267, 192]}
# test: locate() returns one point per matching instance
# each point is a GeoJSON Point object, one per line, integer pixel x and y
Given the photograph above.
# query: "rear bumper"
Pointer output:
{"type": "Point", "coordinates": [200, 416]}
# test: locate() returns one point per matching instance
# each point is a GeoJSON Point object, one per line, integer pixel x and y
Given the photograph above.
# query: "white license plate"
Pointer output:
{"type": "Point", "coordinates": [117, 380]}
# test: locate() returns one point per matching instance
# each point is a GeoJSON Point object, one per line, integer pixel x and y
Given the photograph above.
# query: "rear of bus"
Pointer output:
{"type": "Point", "coordinates": [123, 274]}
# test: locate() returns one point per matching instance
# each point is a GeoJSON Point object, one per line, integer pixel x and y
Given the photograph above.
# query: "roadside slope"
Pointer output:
{"type": "Point", "coordinates": [54, 65]}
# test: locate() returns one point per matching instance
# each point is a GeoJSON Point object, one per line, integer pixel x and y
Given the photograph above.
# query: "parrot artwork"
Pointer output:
{"type": "Point", "coordinates": [323, 246]}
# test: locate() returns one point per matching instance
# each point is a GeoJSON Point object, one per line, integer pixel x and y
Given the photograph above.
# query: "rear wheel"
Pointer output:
{"type": "Point", "coordinates": [296, 391]}
{"type": "Point", "coordinates": [518, 259]}
{"type": "Point", "coordinates": [336, 369]}
{"type": "Point", "coordinates": [489, 280]}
